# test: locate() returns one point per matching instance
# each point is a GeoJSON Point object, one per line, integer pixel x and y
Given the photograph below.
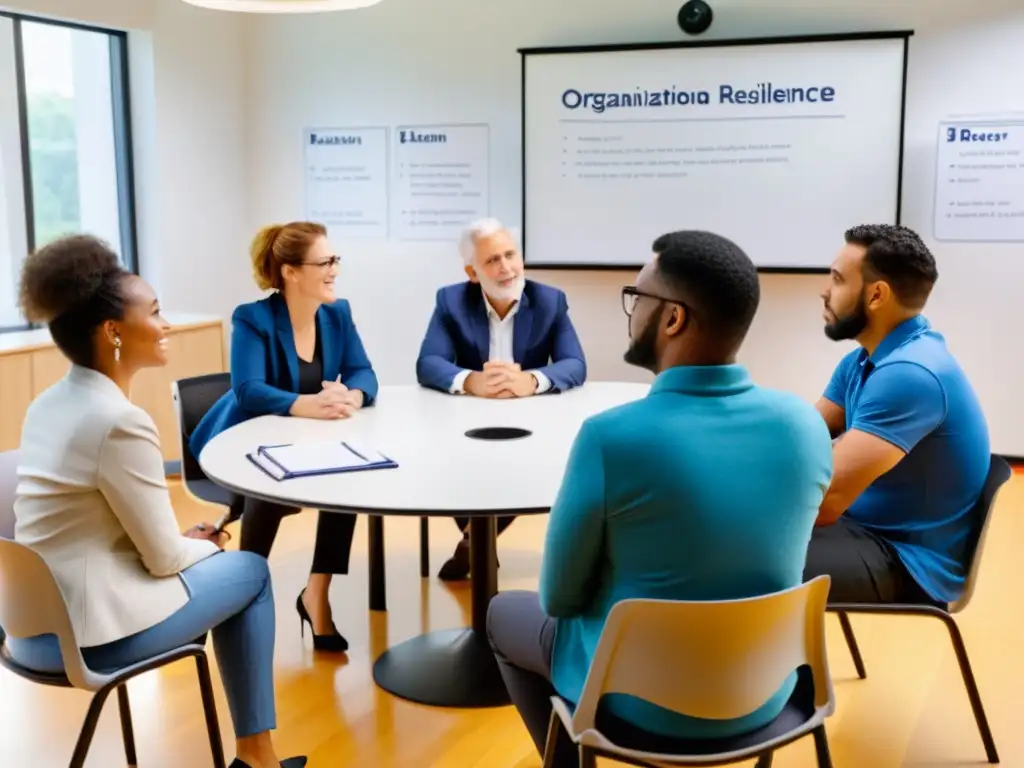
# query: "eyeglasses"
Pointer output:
{"type": "Point", "coordinates": [325, 264]}
{"type": "Point", "coordinates": [333, 261]}
{"type": "Point", "coordinates": [631, 294]}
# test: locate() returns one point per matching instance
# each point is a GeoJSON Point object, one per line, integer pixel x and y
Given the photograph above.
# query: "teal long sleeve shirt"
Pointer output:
{"type": "Point", "coordinates": [706, 489]}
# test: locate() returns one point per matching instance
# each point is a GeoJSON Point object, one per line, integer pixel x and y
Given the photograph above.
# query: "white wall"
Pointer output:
{"type": "Point", "coordinates": [119, 14]}
{"type": "Point", "coordinates": [456, 61]}
{"type": "Point", "coordinates": [201, 163]}
{"type": "Point", "coordinates": [219, 102]}
{"type": "Point", "coordinates": [188, 120]}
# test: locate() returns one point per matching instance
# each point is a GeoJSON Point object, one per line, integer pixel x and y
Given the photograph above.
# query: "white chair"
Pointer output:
{"type": "Point", "coordinates": [31, 604]}
{"type": "Point", "coordinates": [8, 485]}
{"type": "Point", "coordinates": [713, 660]}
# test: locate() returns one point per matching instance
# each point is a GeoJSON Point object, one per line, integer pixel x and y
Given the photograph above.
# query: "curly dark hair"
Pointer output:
{"type": "Point", "coordinates": [715, 278]}
{"type": "Point", "coordinates": [74, 284]}
{"type": "Point", "coordinates": [898, 256]}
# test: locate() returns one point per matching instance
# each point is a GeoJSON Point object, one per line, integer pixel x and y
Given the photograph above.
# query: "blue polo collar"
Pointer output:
{"type": "Point", "coordinates": [898, 336]}
{"type": "Point", "coordinates": [716, 380]}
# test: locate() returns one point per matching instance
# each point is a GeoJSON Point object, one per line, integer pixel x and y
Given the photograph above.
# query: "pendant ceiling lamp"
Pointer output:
{"type": "Point", "coordinates": [282, 6]}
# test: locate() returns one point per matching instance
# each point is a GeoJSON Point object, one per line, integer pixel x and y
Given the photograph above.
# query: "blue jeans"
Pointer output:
{"type": "Point", "coordinates": [230, 594]}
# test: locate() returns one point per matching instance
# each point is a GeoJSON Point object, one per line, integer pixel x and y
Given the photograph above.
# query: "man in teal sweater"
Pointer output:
{"type": "Point", "coordinates": [706, 489]}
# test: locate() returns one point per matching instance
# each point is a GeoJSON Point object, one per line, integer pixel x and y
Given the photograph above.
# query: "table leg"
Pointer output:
{"type": "Point", "coordinates": [424, 547]}
{"type": "Point", "coordinates": [453, 667]}
{"type": "Point", "coordinates": [483, 565]}
{"type": "Point", "coordinates": [378, 587]}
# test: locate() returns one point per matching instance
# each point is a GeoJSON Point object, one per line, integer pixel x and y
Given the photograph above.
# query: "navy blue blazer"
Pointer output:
{"type": "Point", "coordinates": [265, 365]}
{"type": "Point", "coordinates": [458, 337]}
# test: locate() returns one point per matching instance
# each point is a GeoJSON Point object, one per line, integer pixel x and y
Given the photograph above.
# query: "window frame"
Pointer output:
{"type": "Point", "coordinates": [120, 86]}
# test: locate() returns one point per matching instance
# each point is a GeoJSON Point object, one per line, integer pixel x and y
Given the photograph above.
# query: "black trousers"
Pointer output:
{"type": "Point", "coordinates": [522, 637]}
{"type": "Point", "coordinates": [334, 533]}
{"type": "Point", "coordinates": [864, 567]}
{"type": "Point", "coordinates": [503, 523]}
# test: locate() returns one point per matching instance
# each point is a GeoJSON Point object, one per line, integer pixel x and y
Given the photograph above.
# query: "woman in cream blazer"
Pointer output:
{"type": "Point", "coordinates": [93, 502]}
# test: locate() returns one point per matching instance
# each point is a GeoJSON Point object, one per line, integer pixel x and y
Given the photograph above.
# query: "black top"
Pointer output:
{"type": "Point", "coordinates": [311, 373]}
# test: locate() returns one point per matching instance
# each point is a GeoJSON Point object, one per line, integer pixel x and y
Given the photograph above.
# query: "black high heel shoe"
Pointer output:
{"type": "Point", "coordinates": [291, 762]}
{"type": "Point", "coordinates": [335, 642]}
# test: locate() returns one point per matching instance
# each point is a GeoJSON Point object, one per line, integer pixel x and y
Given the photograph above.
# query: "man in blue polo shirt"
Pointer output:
{"type": "Point", "coordinates": [913, 448]}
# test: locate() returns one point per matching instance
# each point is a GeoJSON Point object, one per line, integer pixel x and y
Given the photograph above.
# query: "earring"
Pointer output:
{"type": "Point", "coordinates": [117, 349]}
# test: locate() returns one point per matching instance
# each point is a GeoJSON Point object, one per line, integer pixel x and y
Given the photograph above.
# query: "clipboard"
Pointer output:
{"type": "Point", "coordinates": [273, 460]}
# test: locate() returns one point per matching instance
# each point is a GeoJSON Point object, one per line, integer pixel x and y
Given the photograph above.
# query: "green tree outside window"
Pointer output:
{"type": "Point", "coordinates": [53, 151]}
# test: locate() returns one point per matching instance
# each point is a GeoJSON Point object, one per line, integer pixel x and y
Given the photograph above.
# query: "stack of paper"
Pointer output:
{"type": "Point", "coordinates": [317, 457]}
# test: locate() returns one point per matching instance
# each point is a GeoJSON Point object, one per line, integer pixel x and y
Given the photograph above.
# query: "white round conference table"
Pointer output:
{"type": "Point", "coordinates": [456, 455]}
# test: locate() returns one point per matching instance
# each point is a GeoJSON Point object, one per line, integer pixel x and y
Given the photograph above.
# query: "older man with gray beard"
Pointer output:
{"type": "Point", "coordinates": [497, 335]}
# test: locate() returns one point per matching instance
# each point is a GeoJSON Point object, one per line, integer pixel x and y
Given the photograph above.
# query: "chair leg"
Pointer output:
{"type": "Point", "coordinates": [851, 643]}
{"type": "Point", "coordinates": [765, 760]}
{"type": "Point", "coordinates": [378, 591]}
{"type": "Point", "coordinates": [127, 732]}
{"type": "Point", "coordinates": [92, 717]}
{"type": "Point", "coordinates": [821, 747]}
{"type": "Point", "coordinates": [587, 758]}
{"type": "Point", "coordinates": [972, 688]}
{"type": "Point", "coordinates": [210, 710]}
{"type": "Point", "coordinates": [424, 547]}
{"type": "Point", "coordinates": [554, 725]}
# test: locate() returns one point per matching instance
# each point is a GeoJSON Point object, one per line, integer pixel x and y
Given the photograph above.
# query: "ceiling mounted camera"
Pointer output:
{"type": "Point", "coordinates": [695, 17]}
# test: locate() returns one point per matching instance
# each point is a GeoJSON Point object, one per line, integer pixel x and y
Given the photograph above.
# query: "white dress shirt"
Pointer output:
{"type": "Point", "coordinates": [502, 333]}
{"type": "Point", "coordinates": [92, 500]}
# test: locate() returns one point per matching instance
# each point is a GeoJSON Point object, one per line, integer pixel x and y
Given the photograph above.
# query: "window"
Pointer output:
{"type": "Point", "coordinates": [65, 143]}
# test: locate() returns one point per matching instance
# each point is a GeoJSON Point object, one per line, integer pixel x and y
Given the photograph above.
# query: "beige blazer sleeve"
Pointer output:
{"type": "Point", "coordinates": [131, 478]}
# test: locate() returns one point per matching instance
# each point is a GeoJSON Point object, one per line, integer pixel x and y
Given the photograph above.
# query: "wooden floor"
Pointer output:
{"type": "Point", "coordinates": [911, 710]}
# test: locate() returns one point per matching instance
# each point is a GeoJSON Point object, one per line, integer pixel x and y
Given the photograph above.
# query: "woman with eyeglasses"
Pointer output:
{"type": "Point", "coordinates": [295, 353]}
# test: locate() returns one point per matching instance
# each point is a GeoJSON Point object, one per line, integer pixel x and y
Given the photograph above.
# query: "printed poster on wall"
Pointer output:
{"type": "Point", "coordinates": [347, 181]}
{"type": "Point", "coordinates": [441, 179]}
{"type": "Point", "coordinates": [979, 181]}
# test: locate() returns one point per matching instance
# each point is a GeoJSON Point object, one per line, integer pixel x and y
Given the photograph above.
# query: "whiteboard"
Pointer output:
{"type": "Point", "coordinates": [779, 145]}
